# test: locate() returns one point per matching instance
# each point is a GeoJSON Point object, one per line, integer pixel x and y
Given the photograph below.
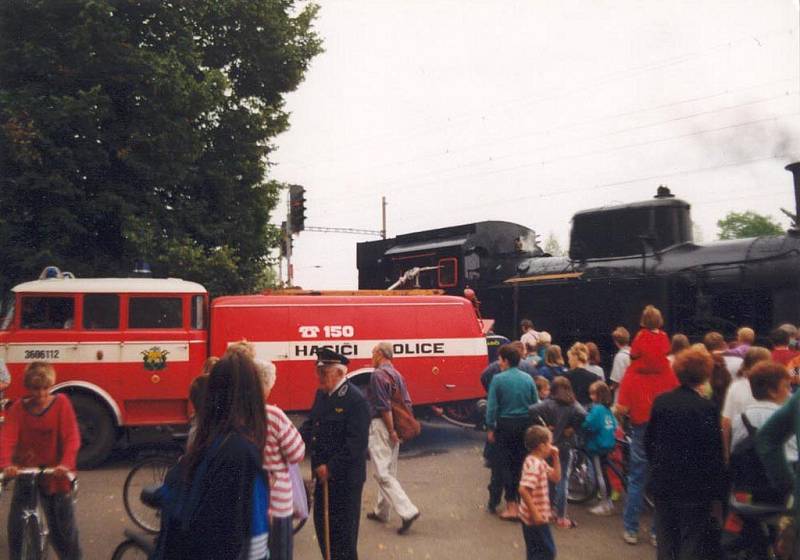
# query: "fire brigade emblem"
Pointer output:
{"type": "Point", "coordinates": [155, 359]}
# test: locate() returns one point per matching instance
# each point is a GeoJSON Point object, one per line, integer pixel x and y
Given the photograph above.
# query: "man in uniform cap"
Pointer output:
{"type": "Point", "coordinates": [337, 433]}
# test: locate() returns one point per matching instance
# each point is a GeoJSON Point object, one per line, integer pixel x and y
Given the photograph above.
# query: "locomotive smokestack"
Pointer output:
{"type": "Point", "coordinates": [794, 168]}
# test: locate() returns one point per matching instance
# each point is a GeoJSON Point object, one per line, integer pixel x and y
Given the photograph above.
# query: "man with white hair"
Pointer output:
{"type": "Point", "coordinates": [336, 433]}
{"type": "Point", "coordinates": [284, 447]}
{"type": "Point", "coordinates": [384, 443]}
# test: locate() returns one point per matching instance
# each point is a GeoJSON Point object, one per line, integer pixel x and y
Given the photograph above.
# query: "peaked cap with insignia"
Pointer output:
{"type": "Point", "coordinates": [326, 356]}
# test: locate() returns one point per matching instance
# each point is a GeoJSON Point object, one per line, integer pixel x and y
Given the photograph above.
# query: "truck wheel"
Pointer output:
{"type": "Point", "coordinates": [462, 413]}
{"type": "Point", "coordinates": [97, 431]}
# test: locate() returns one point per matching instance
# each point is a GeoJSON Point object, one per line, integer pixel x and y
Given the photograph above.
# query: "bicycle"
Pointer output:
{"type": "Point", "coordinates": [35, 534]}
{"type": "Point", "coordinates": [137, 545]}
{"type": "Point", "coordinates": [582, 482]}
{"type": "Point", "coordinates": [147, 472]}
{"type": "Point", "coordinates": [138, 496]}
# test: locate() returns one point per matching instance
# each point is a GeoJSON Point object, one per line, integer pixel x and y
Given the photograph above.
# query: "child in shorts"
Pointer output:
{"type": "Point", "coordinates": [534, 508]}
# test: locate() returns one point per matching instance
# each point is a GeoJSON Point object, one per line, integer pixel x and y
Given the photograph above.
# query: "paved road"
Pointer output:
{"type": "Point", "coordinates": [443, 473]}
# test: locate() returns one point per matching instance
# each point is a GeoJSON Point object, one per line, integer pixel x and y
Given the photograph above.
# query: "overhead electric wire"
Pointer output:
{"type": "Point", "coordinates": [414, 183]}
{"type": "Point", "coordinates": [362, 169]}
{"type": "Point", "coordinates": [527, 100]}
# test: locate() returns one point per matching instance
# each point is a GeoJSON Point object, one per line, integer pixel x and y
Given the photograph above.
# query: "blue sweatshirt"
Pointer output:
{"type": "Point", "coordinates": [510, 395]}
{"type": "Point", "coordinates": [600, 427]}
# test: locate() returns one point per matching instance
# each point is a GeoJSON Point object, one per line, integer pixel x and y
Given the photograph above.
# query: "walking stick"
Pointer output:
{"type": "Point", "coordinates": [327, 519]}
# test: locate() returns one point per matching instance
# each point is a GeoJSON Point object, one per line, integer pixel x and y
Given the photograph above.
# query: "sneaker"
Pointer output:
{"type": "Point", "coordinates": [605, 507]}
{"type": "Point", "coordinates": [630, 537]}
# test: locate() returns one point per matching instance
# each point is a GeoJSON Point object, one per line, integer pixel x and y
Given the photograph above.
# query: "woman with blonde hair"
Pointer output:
{"type": "Point", "coordinates": [579, 375]}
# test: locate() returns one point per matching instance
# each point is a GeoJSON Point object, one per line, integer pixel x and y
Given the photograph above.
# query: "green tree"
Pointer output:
{"type": "Point", "coordinates": [738, 225]}
{"type": "Point", "coordinates": [552, 246]}
{"type": "Point", "coordinates": [141, 129]}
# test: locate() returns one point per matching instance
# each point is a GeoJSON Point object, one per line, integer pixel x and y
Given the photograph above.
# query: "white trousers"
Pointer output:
{"type": "Point", "coordinates": [384, 458]}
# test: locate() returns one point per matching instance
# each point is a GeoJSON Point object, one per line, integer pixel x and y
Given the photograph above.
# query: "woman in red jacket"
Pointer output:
{"type": "Point", "coordinates": [41, 429]}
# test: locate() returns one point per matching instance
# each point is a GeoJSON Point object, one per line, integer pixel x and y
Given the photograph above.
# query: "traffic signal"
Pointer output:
{"type": "Point", "coordinates": [297, 208]}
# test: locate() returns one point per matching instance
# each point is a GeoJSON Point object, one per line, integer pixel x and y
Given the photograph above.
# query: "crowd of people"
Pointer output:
{"type": "Point", "coordinates": [235, 491]}
{"type": "Point", "coordinates": [695, 414]}
{"type": "Point", "coordinates": [703, 420]}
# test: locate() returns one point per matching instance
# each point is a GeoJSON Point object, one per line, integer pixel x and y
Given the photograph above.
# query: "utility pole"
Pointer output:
{"type": "Point", "coordinates": [383, 217]}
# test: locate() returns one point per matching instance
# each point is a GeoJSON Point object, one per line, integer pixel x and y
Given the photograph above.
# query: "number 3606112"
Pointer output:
{"type": "Point", "coordinates": [41, 354]}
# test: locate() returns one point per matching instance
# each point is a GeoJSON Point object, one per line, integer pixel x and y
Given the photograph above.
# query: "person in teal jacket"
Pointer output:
{"type": "Point", "coordinates": [511, 392]}
{"type": "Point", "coordinates": [770, 440]}
{"type": "Point", "coordinates": [600, 428]}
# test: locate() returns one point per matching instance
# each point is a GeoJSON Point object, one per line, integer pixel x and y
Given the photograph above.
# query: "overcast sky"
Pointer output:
{"type": "Point", "coordinates": [528, 111]}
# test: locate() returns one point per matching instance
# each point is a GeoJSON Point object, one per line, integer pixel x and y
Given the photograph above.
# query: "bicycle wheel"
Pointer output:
{"type": "Point", "coordinates": [148, 472]}
{"type": "Point", "coordinates": [34, 542]}
{"type": "Point", "coordinates": [129, 550]}
{"type": "Point", "coordinates": [582, 482]}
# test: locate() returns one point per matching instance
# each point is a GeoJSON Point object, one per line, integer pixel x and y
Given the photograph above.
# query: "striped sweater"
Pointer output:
{"type": "Point", "coordinates": [284, 446]}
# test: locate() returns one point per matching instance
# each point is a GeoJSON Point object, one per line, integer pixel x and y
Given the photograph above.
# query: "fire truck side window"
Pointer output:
{"type": "Point", "coordinates": [198, 312]}
{"type": "Point", "coordinates": [155, 313]}
{"type": "Point", "coordinates": [100, 311]}
{"type": "Point", "coordinates": [51, 312]}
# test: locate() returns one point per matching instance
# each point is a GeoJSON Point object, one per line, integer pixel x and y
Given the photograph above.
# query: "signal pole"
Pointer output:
{"type": "Point", "coordinates": [287, 232]}
{"type": "Point", "coordinates": [295, 223]}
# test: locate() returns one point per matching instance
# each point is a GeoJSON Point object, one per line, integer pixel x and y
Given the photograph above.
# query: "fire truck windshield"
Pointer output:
{"type": "Point", "coordinates": [6, 311]}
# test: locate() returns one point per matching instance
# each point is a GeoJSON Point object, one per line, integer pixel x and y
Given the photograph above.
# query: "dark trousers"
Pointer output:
{"type": "Point", "coordinates": [60, 514]}
{"type": "Point", "coordinates": [345, 514]}
{"type": "Point", "coordinates": [686, 531]}
{"type": "Point", "coordinates": [495, 479]}
{"type": "Point", "coordinates": [510, 453]}
{"type": "Point", "coordinates": [281, 538]}
{"type": "Point", "coordinates": [539, 544]}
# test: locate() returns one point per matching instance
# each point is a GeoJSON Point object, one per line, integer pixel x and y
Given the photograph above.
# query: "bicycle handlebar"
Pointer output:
{"type": "Point", "coordinates": [33, 471]}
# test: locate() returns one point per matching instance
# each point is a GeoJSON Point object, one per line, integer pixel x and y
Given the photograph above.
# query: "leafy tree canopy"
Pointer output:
{"type": "Point", "coordinates": [552, 246]}
{"type": "Point", "coordinates": [738, 225]}
{"type": "Point", "coordinates": [137, 129]}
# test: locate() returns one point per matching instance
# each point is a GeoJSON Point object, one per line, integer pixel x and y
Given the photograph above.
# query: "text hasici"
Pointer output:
{"type": "Point", "coordinates": [351, 349]}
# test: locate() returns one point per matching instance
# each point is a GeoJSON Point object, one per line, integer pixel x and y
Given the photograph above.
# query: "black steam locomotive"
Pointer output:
{"type": "Point", "coordinates": [620, 259]}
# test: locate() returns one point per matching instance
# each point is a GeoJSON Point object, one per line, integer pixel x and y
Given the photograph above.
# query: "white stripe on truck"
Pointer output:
{"type": "Point", "coordinates": [87, 352]}
{"type": "Point", "coordinates": [296, 350]}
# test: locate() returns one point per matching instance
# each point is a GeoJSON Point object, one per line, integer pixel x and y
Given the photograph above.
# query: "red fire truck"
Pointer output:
{"type": "Point", "coordinates": [126, 349]}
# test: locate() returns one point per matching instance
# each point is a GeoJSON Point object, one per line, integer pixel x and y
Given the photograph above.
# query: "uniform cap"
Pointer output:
{"type": "Point", "coordinates": [327, 356]}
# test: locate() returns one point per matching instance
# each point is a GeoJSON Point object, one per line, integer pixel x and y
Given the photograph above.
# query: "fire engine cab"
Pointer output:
{"type": "Point", "coordinates": [126, 349]}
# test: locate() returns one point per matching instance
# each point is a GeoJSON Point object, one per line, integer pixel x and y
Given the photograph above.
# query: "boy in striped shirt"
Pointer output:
{"type": "Point", "coordinates": [284, 447]}
{"type": "Point", "coordinates": [534, 507]}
